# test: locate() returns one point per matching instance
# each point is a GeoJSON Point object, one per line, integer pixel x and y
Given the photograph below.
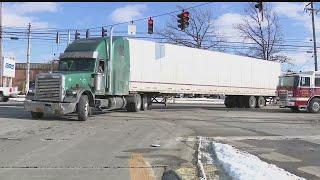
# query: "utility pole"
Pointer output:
{"type": "Point", "coordinates": [28, 60]}
{"type": "Point", "coordinates": [1, 59]}
{"type": "Point", "coordinates": [314, 35]}
{"type": "Point", "coordinates": [68, 37]}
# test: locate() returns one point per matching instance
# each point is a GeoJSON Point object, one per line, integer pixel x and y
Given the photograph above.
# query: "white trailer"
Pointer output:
{"type": "Point", "coordinates": [172, 69]}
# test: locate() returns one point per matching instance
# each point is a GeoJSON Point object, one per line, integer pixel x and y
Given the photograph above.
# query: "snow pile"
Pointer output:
{"type": "Point", "coordinates": [241, 165]}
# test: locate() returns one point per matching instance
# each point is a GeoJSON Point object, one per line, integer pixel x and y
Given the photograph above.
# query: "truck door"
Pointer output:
{"type": "Point", "coordinates": [305, 87]}
{"type": "Point", "coordinates": [316, 90]}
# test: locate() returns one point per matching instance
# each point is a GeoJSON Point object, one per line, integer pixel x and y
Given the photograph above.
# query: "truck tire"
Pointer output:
{"type": "Point", "coordinates": [134, 103]}
{"type": "Point", "coordinates": [260, 102]}
{"type": "Point", "coordinates": [83, 108]}
{"type": "Point", "coordinates": [144, 103]}
{"type": "Point", "coordinates": [314, 105]}
{"type": "Point", "coordinates": [36, 115]}
{"type": "Point", "coordinates": [251, 102]}
{"type": "Point", "coordinates": [149, 103]}
{"type": "Point", "coordinates": [1, 97]}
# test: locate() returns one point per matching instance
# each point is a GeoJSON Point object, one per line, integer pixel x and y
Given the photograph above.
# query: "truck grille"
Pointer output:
{"type": "Point", "coordinates": [48, 88]}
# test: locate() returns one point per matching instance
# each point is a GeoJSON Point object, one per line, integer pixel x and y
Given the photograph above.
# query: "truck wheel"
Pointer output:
{"type": "Point", "coordinates": [134, 103]}
{"type": "Point", "coordinates": [36, 115]}
{"type": "Point", "coordinates": [144, 103]}
{"type": "Point", "coordinates": [1, 97]}
{"type": "Point", "coordinates": [260, 102]}
{"type": "Point", "coordinates": [251, 102]}
{"type": "Point", "coordinates": [83, 108]}
{"type": "Point", "coordinates": [314, 105]}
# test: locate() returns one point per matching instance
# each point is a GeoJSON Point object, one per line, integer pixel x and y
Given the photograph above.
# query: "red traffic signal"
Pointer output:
{"type": "Point", "coordinates": [150, 26]}
{"type": "Point", "coordinates": [183, 20]}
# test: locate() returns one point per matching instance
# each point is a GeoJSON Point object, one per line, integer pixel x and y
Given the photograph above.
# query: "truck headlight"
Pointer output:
{"type": "Point", "coordinates": [71, 92]}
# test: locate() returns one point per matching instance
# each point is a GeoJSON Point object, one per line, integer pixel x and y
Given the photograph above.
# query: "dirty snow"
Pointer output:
{"type": "Point", "coordinates": [244, 166]}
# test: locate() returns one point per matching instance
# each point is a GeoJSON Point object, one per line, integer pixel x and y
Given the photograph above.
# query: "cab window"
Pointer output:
{"type": "Point", "coordinates": [317, 81]}
{"type": "Point", "coordinates": [305, 82]}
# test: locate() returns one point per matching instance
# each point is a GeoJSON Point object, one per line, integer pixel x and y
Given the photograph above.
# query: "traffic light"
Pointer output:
{"type": "Point", "coordinates": [77, 35]}
{"type": "Point", "coordinates": [57, 38]}
{"type": "Point", "coordinates": [259, 6]}
{"type": "Point", "coordinates": [150, 26]}
{"type": "Point", "coordinates": [183, 20]}
{"type": "Point", "coordinates": [103, 32]}
{"type": "Point", "coordinates": [87, 33]}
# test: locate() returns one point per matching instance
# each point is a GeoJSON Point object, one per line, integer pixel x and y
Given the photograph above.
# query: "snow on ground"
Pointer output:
{"type": "Point", "coordinates": [19, 99]}
{"type": "Point", "coordinates": [241, 165]}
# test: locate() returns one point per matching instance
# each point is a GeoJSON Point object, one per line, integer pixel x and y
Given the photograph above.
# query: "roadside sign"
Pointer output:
{"type": "Point", "coordinates": [8, 68]}
{"type": "Point", "coordinates": [132, 29]}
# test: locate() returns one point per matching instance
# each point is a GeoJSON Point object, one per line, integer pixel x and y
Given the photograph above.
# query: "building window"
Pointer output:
{"type": "Point", "coordinates": [159, 51]}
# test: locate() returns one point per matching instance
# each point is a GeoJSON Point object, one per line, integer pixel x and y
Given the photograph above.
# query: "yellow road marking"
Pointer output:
{"type": "Point", "coordinates": [139, 168]}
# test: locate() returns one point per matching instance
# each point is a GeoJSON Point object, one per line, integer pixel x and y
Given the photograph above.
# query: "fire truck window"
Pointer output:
{"type": "Point", "coordinates": [317, 82]}
{"type": "Point", "coordinates": [305, 81]}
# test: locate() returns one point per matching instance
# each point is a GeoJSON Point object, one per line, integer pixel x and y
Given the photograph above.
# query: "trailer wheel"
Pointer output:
{"type": "Point", "coordinates": [1, 97]}
{"type": "Point", "coordinates": [134, 103]}
{"type": "Point", "coordinates": [260, 102]}
{"type": "Point", "coordinates": [144, 103]}
{"type": "Point", "coordinates": [36, 115]}
{"type": "Point", "coordinates": [314, 105]}
{"type": "Point", "coordinates": [251, 102]}
{"type": "Point", "coordinates": [83, 108]}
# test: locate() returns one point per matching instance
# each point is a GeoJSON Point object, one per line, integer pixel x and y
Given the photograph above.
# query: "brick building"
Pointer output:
{"type": "Point", "coordinates": [35, 68]}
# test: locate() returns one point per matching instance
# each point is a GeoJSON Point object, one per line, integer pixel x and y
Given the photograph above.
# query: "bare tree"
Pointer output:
{"type": "Point", "coordinates": [201, 32]}
{"type": "Point", "coordinates": [266, 34]}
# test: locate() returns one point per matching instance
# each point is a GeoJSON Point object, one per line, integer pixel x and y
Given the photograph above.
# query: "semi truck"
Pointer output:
{"type": "Point", "coordinates": [106, 73]}
{"type": "Point", "coordinates": [300, 90]}
{"type": "Point", "coordinates": [7, 72]}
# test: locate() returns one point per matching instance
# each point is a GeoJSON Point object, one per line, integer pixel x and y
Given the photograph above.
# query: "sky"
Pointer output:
{"type": "Point", "coordinates": [53, 16]}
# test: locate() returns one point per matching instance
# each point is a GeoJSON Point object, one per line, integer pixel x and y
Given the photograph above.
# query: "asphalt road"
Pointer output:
{"type": "Point", "coordinates": [107, 145]}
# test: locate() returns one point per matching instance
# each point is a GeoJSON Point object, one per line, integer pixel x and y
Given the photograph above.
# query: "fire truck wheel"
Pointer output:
{"type": "Point", "coordinates": [36, 115]}
{"type": "Point", "coordinates": [314, 105]}
{"type": "Point", "coordinates": [83, 108]}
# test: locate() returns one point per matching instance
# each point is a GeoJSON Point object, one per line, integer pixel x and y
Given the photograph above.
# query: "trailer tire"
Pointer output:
{"type": "Point", "coordinates": [314, 105]}
{"type": "Point", "coordinates": [36, 115]}
{"type": "Point", "coordinates": [1, 97]}
{"type": "Point", "coordinates": [251, 102]}
{"type": "Point", "coordinates": [83, 108]}
{"type": "Point", "coordinates": [261, 102]}
{"type": "Point", "coordinates": [134, 103]}
{"type": "Point", "coordinates": [144, 103]}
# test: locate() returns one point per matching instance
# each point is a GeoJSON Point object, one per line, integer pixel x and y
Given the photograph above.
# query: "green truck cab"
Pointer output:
{"type": "Point", "coordinates": [91, 75]}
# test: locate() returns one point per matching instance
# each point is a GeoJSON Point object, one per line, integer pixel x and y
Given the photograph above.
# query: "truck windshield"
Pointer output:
{"type": "Point", "coordinates": [77, 65]}
{"type": "Point", "coordinates": [289, 81]}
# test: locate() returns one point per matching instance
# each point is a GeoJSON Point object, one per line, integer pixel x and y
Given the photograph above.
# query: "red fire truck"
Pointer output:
{"type": "Point", "coordinates": [300, 90]}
